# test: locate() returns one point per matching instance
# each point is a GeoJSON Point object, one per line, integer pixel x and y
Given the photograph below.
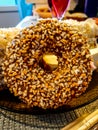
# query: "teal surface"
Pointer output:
{"type": "Point", "coordinates": [25, 9]}
{"type": "Point", "coordinates": [7, 2]}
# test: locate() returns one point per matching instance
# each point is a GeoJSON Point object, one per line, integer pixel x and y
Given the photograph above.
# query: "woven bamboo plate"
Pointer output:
{"type": "Point", "coordinates": [9, 102]}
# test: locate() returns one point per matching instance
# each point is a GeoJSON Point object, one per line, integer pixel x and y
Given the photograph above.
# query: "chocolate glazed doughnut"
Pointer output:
{"type": "Point", "coordinates": [48, 64]}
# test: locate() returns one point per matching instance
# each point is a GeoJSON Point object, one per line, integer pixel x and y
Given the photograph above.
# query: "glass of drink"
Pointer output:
{"type": "Point", "coordinates": [58, 7]}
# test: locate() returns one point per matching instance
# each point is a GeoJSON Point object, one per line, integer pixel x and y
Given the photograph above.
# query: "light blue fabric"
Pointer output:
{"type": "Point", "coordinates": [25, 9]}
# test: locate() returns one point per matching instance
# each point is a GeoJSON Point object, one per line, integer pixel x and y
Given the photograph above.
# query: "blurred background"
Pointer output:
{"type": "Point", "coordinates": [13, 11]}
{"type": "Point", "coordinates": [9, 15]}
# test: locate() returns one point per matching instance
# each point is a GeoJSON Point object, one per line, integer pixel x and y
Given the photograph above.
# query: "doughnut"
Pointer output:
{"type": "Point", "coordinates": [6, 35]}
{"type": "Point", "coordinates": [48, 64]}
{"type": "Point", "coordinates": [43, 12]}
{"type": "Point", "coordinates": [76, 16]}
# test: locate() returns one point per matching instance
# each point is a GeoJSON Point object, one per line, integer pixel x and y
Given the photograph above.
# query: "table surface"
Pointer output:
{"type": "Point", "coordinates": [17, 121]}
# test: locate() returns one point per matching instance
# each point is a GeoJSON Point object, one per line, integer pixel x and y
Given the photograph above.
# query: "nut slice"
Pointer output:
{"type": "Point", "coordinates": [50, 61]}
{"type": "Point", "coordinates": [94, 54]}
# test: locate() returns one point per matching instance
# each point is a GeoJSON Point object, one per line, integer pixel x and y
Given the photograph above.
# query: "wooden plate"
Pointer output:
{"type": "Point", "coordinates": [9, 102]}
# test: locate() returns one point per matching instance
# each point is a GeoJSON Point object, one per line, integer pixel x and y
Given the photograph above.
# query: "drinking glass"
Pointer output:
{"type": "Point", "coordinates": [58, 7]}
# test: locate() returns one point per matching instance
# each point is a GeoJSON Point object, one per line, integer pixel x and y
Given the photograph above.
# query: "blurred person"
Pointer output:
{"type": "Point", "coordinates": [79, 6]}
{"type": "Point", "coordinates": [91, 8]}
